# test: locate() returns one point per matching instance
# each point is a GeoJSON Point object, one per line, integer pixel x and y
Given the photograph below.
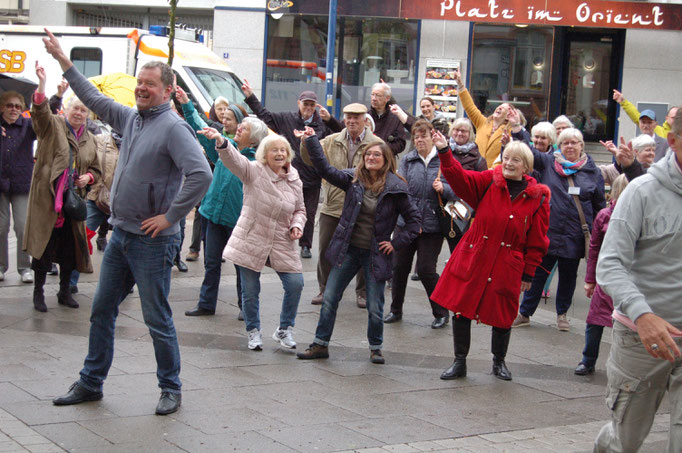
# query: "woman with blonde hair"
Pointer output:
{"type": "Point", "coordinates": [489, 130]}
{"type": "Point", "coordinates": [601, 304]}
{"type": "Point", "coordinates": [66, 160]}
{"type": "Point", "coordinates": [271, 220]}
{"type": "Point", "coordinates": [375, 196]}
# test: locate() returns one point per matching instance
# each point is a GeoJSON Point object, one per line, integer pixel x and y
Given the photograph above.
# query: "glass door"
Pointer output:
{"type": "Point", "coordinates": [591, 67]}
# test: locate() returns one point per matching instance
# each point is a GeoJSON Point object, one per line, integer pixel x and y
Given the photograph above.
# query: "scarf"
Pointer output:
{"type": "Point", "coordinates": [566, 168]}
{"type": "Point", "coordinates": [461, 149]}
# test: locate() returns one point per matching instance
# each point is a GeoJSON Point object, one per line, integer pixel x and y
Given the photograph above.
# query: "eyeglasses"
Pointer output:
{"type": "Point", "coordinates": [570, 143]}
{"type": "Point", "coordinates": [14, 106]}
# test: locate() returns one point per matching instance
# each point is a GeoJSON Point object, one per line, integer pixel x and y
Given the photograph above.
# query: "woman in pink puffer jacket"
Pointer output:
{"type": "Point", "coordinates": [272, 218]}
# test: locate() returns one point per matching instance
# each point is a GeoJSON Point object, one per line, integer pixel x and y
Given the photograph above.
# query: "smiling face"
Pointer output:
{"type": "Point", "coordinates": [374, 159]}
{"type": "Point", "coordinates": [229, 122]}
{"type": "Point", "coordinates": [276, 155]}
{"type": "Point", "coordinates": [76, 114]}
{"type": "Point", "coordinates": [150, 90]}
{"type": "Point", "coordinates": [571, 148]}
{"type": "Point", "coordinates": [427, 109]}
{"type": "Point", "coordinates": [500, 113]}
{"type": "Point", "coordinates": [306, 108]}
{"type": "Point", "coordinates": [646, 155]}
{"type": "Point", "coordinates": [461, 135]}
{"type": "Point", "coordinates": [513, 166]}
{"type": "Point", "coordinates": [647, 125]}
{"type": "Point", "coordinates": [355, 123]}
{"type": "Point", "coordinates": [541, 142]}
{"type": "Point", "coordinates": [11, 109]}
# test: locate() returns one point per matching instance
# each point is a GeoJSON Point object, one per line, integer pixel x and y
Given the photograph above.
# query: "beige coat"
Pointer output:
{"type": "Point", "coordinates": [105, 144]}
{"type": "Point", "coordinates": [54, 138]}
{"type": "Point", "coordinates": [335, 149]}
{"type": "Point", "coordinates": [273, 205]}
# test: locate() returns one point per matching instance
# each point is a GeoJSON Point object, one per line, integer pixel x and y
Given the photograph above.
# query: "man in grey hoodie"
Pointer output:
{"type": "Point", "coordinates": [639, 266]}
{"type": "Point", "coordinates": [148, 199]}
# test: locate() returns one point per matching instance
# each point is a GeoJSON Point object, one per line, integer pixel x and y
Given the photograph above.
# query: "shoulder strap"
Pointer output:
{"type": "Point", "coordinates": [586, 229]}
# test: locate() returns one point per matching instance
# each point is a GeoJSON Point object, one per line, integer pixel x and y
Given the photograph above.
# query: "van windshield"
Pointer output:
{"type": "Point", "coordinates": [214, 82]}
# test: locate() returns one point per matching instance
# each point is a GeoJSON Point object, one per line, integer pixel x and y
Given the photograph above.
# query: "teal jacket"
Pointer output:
{"type": "Point", "coordinates": [222, 204]}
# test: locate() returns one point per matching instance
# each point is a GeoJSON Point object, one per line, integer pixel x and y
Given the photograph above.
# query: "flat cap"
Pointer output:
{"type": "Point", "coordinates": [355, 108]}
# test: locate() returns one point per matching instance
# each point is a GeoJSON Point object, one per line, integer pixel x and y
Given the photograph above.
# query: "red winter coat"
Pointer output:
{"type": "Point", "coordinates": [482, 280]}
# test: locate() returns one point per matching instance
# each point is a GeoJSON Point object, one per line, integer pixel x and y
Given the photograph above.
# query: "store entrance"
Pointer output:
{"type": "Point", "coordinates": [591, 65]}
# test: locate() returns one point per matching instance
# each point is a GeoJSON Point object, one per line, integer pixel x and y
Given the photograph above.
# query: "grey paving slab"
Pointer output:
{"type": "Point", "coordinates": [43, 412]}
{"type": "Point", "coordinates": [10, 393]}
{"type": "Point", "coordinates": [139, 429]}
{"type": "Point", "coordinates": [331, 437]}
{"type": "Point", "coordinates": [71, 436]}
{"type": "Point", "coordinates": [229, 418]}
{"type": "Point", "coordinates": [248, 441]}
{"type": "Point", "coordinates": [399, 429]}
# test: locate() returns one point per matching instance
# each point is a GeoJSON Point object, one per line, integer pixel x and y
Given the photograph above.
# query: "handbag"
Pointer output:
{"type": "Point", "coordinates": [103, 196]}
{"type": "Point", "coordinates": [74, 205]}
{"type": "Point", "coordinates": [454, 216]}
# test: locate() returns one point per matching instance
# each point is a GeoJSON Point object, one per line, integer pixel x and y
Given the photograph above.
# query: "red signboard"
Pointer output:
{"type": "Point", "coordinates": [580, 13]}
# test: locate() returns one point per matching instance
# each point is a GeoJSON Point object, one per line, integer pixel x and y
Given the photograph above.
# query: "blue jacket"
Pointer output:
{"type": "Point", "coordinates": [222, 204]}
{"type": "Point", "coordinates": [158, 149]}
{"type": "Point", "coordinates": [565, 232]}
{"type": "Point", "coordinates": [420, 186]}
{"type": "Point", "coordinates": [393, 201]}
{"type": "Point", "coordinates": [16, 156]}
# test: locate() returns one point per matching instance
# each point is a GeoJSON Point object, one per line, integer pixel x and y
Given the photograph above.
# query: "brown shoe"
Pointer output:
{"type": "Point", "coordinates": [361, 301]}
{"type": "Point", "coordinates": [317, 300]}
{"type": "Point", "coordinates": [375, 356]}
{"type": "Point", "coordinates": [192, 256]}
{"type": "Point", "coordinates": [521, 321]}
{"type": "Point", "coordinates": [314, 351]}
{"type": "Point", "coordinates": [562, 323]}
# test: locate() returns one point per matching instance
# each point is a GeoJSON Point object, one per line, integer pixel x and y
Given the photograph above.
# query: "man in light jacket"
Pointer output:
{"type": "Point", "coordinates": [148, 199]}
{"type": "Point", "coordinates": [639, 266]}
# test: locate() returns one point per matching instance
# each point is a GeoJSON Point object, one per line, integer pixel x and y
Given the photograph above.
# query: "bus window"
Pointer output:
{"type": "Point", "coordinates": [88, 60]}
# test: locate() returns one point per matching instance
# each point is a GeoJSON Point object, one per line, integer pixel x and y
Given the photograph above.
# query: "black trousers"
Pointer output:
{"type": "Point", "coordinates": [427, 247]}
{"type": "Point", "coordinates": [311, 198]}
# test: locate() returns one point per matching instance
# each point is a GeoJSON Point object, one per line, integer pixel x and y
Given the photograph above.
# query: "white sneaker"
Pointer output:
{"type": "Point", "coordinates": [285, 337]}
{"type": "Point", "coordinates": [27, 276]}
{"type": "Point", "coordinates": [255, 340]}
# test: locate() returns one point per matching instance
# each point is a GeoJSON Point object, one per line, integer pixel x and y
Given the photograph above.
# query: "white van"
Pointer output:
{"type": "Point", "coordinates": [103, 50]}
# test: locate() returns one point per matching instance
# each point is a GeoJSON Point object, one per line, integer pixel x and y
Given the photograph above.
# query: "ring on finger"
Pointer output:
{"type": "Point", "coordinates": [654, 347]}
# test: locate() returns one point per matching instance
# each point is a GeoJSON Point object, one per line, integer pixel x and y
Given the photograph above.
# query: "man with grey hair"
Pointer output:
{"type": "Point", "coordinates": [161, 175]}
{"type": "Point", "coordinates": [387, 126]}
{"type": "Point", "coordinates": [639, 266]}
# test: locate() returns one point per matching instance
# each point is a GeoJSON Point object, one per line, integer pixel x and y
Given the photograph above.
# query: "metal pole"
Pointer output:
{"type": "Point", "coordinates": [331, 42]}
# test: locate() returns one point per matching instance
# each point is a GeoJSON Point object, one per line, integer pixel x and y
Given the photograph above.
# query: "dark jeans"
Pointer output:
{"type": "Point", "coordinates": [134, 259]}
{"type": "Point", "coordinates": [356, 260]}
{"type": "Point", "coordinates": [195, 245]}
{"type": "Point", "coordinates": [311, 198]}
{"type": "Point", "coordinates": [328, 225]}
{"type": "Point", "coordinates": [427, 247]}
{"type": "Point", "coordinates": [216, 239]}
{"type": "Point", "coordinates": [568, 273]}
{"type": "Point", "coordinates": [593, 334]}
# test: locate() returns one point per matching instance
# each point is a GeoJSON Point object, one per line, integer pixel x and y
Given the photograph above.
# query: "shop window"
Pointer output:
{"type": "Point", "coordinates": [367, 50]}
{"type": "Point", "coordinates": [88, 60]}
{"type": "Point", "coordinates": [512, 64]}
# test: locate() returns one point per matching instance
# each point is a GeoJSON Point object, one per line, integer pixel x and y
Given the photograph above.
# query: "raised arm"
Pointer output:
{"type": "Point", "coordinates": [324, 169]}
{"type": "Point", "coordinates": [474, 114]}
{"type": "Point", "coordinates": [196, 123]}
{"type": "Point", "coordinates": [231, 158]}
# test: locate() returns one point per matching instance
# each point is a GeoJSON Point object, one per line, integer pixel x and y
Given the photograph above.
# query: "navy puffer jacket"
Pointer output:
{"type": "Point", "coordinates": [565, 232]}
{"type": "Point", "coordinates": [394, 200]}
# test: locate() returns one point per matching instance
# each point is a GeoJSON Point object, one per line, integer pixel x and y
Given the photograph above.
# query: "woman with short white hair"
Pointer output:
{"type": "Point", "coordinates": [271, 220]}
{"type": "Point", "coordinates": [544, 136]}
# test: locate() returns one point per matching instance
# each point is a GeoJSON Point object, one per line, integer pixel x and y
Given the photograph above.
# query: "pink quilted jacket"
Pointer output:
{"type": "Point", "coordinates": [273, 205]}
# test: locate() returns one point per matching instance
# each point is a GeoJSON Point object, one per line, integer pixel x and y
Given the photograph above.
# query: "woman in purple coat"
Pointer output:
{"type": "Point", "coordinates": [601, 305]}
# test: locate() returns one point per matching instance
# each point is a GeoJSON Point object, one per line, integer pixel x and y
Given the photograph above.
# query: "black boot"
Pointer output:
{"type": "Point", "coordinates": [64, 296]}
{"type": "Point", "coordinates": [38, 293]}
{"type": "Point", "coordinates": [498, 346]}
{"type": "Point", "coordinates": [461, 335]}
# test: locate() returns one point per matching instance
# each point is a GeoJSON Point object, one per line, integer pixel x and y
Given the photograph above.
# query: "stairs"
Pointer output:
{"type": "Point", "coordinates": [598, 153]}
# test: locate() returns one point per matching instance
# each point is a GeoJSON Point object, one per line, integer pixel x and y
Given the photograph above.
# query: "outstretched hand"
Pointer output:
{"type": "Point", "coordinates": [246, 88]}
{"type": "Point", "coordinates": [438, 139]}
{"type": "Point", "coordinates": [42, 77]}
{"type": "Point", "coordinates": [212, 134]}
{"type": "Point", "coordinates": [53, 47]}
{"type": "Point", "coordinates": [62, 87]}
{"type": "Point", "coordinates": [400, 113]}
{"type": "Point", "coordinates": [324, 113]}
{"type": "Point", "coordinates": [625, 154]}
{"type": "Point", "coordinates": [610, 146]}
{"type": "Point", "coordinates": [181, 95]}
{"type": "Point", "coordinates": [305, 133]}
{"type": "Point", "coordinates": [618, 96]}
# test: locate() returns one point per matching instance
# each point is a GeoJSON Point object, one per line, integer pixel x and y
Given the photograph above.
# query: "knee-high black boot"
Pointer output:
{"type": "Point", "coordinates": [498, 346]}
{"type": "Point", "coordinates": [64, 296]}
{"type": "Point", "coordinates": [461, 334]}
{"type": "Point", "coordinates": [38, 293]}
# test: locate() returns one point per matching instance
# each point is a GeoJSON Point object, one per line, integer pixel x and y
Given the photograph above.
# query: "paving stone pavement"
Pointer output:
{"type": "Point", "coordinates": [244, 401]}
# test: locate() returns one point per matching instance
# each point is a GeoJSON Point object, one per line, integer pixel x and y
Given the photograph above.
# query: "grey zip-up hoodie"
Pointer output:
{"type": "Point", "coordinates": [640, 263]}
{"type": "Point", "coordinates": [157, 149]}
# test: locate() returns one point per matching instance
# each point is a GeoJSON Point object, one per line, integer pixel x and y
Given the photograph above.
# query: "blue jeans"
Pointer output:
{"type": "Point", "coordinates": [339, 278]}
{"type": "Point", "coordinates": [568, 273]}
{"type": "Point", "coordinates": [293, 286]}
{"type": "Point", "coordinates": [94, 220]}
{"type": "Point", "coordinates": [133, 259]}
{"type": "Point", "coordinates": [593, 335]}
{"type": "Point", "coordinates": [216, 239]}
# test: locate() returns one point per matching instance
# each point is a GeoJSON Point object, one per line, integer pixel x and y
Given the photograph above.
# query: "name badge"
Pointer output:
{"type": "Point", "coordinates": [574, 190]}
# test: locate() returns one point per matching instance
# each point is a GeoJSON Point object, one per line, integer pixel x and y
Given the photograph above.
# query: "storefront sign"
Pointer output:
{"type": "Point", "coordinates": [599, 13]}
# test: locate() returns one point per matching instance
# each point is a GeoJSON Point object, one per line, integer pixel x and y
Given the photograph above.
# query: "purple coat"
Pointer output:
{"type": "Point", "coordinates": [16, 156]}
{"type": "Point", "coordinates": [601, 305]}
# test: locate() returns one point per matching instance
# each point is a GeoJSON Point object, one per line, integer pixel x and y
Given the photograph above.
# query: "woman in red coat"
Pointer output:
{"type": "Point", "coordinates": [497, 257]}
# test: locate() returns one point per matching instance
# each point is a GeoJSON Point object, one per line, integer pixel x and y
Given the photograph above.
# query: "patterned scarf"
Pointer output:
{"type": "Point", "coordinates": [461, 149]}
{"type": "Point", "coordinates": [566, 168]}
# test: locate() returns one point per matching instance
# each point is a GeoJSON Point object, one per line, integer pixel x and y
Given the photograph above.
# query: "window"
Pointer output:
{"type": "Point", "coordinates": [88, 60]}
{"type": "Point", "coordinates": [366, 50]}
{"type": "Point", "coordinates": [213, 83]}
{"type": "Point", "coordinates": [512, 64]}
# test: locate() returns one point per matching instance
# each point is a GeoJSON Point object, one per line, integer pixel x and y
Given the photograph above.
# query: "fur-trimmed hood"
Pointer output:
{"type": "Point", "coordinates": [534, 189]}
